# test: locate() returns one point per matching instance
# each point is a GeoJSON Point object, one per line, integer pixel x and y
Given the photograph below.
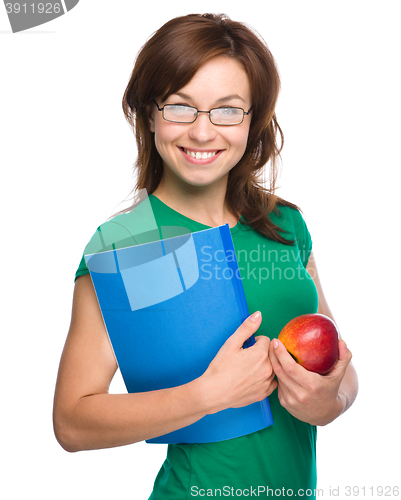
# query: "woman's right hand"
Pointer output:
{"type": "Point", "coordinates": [87, 417]}
{"type": "Point", "coordinates": [238, 377]}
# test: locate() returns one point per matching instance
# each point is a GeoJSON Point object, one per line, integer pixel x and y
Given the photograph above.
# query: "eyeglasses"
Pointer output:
{"type": "Point", "coordinates": [180, 113]}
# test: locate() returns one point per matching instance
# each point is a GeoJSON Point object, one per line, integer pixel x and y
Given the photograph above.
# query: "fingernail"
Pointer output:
{"type": "Point", "coordinates": [275, 343]}
{"type": "Point", "coordinates": [255, 317]}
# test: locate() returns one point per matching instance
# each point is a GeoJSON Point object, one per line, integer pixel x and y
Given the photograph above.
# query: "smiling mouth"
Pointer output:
{"type": "Point", "coordinates": [201, 155]}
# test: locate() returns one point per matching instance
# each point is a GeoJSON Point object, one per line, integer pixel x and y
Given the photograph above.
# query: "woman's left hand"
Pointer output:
{"type": "Point", "coordinates": [310, 397]}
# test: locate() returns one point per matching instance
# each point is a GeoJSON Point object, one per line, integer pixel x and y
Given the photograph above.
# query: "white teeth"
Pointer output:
{"type": "Point", "coordinates": [200, 156]}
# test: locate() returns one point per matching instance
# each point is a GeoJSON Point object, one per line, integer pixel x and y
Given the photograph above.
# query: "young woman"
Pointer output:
{"type": "Point", "coordinates": [201, 99]}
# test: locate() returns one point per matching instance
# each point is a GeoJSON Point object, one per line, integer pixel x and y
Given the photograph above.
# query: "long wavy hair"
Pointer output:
{"type": "Point", "coordinates": [167, 62]}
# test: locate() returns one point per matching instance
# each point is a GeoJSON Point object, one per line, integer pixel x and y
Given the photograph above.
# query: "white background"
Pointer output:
{"type": "Point", "coordinates": [66, 164]}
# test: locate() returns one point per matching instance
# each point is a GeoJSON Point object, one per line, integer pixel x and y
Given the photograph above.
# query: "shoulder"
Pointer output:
{"type": "Point", "coordinates": [125, 229]}
{"type": "Point", "coordinates": [289, 219]}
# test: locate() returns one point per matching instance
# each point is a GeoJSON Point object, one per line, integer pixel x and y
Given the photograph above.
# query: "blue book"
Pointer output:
{"type": "Point", "coordinates": [169, 306]}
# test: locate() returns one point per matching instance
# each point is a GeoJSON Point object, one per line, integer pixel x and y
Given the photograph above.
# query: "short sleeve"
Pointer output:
{"type": "Point", "coordinates": [82, 268]}
{"type": "Point", "coordinates": [134, 227]}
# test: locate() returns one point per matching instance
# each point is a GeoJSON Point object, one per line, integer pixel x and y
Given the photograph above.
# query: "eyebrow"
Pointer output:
{"type": "Point", "coordinates": [221, 100]}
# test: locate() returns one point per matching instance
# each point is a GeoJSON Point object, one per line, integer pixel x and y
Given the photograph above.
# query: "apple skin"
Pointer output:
{"type": "Point", "coordinates": [312, 340]}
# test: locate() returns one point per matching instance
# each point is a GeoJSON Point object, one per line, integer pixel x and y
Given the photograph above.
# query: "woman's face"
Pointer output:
{"type": "Point", "coordinates": [220, 82]}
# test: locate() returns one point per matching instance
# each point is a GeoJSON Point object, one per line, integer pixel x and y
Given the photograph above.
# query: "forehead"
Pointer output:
{"type": "Point", "coordinates": [217, 79]}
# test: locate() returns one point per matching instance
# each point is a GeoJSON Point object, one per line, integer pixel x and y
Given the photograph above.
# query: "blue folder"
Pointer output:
{"type": "Point", "coordinates": [169, 306]}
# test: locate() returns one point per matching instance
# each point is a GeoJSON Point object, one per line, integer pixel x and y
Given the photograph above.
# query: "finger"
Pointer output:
{"type": "Point", "coordinates": [246, 330]}
{"type": "Point", "coordinates": [260, 337]}
{"type": "Point", "coordinates": [344, 358]}
{"type": "Point", "coordinates": [273, 386]}
{"type": "Point", "coordinates": [344, 354]}
{"type": "Point", "coordinates": [288, 371]}
{"type": "Point", "coordinates": [276, 365]}
{"type": "Point", "coordinates": [284, 359]}
{"type": "Point", "coordinates": [264, 341]}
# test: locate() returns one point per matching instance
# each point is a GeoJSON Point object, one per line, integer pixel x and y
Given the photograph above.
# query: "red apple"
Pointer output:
{"type": "Point", "coordinates": [312, 340]}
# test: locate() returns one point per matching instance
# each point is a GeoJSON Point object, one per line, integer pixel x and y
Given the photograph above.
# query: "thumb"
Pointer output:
{"type": "Point", "coordinates": [243, 332]}
{"type": "Point", "coordinates": [344, 357]}
{"type": "Point", "coordinates": [344, 354]}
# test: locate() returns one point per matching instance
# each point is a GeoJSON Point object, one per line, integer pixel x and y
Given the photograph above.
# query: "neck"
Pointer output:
{"type": "Point", "coordinates": [206, 205]}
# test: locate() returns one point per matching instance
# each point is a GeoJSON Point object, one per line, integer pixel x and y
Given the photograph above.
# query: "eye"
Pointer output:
{"type": "Point", "coordinates": [228, 111]}
{"type": "Point", "coordinates": [180, 108]}
{"type": "Point", "coordinates": [180, 113]}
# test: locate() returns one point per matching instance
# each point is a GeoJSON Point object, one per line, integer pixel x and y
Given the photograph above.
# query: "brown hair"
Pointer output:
{"type": "Point", "coordinates": [167, 62]}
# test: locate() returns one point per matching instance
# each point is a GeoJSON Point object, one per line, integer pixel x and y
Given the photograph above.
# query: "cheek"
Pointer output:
{"type": "Point", "coordinates": [161, 136]}
{"type": "Point", "coordinates": [240, 140]}
{"type": "Point", "coordinates": [165, 132]}
{"type": "Point", "coordinates": [165, 136]}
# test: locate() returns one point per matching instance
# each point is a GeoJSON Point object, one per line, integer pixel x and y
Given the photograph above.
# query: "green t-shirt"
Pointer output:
{"type": "Point", "coordinates": [282, 456]}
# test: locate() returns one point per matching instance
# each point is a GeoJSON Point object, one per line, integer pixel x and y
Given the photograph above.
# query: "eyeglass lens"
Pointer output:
{"type": "Point", "coordinates": [188, 114]}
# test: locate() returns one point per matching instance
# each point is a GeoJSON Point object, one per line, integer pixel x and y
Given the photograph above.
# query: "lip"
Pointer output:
{"type": "Point", "coordinates": [200, 161]}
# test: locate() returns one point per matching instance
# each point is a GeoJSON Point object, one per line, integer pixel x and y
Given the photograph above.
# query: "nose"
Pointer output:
{"type": "Point", "coordinates": [202, 130]}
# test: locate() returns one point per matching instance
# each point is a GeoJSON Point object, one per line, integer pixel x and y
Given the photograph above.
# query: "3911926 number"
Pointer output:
{"type": "Point", "coordinates": [372, 491]}
{"type": "Point", "coordinates": [40, 8]}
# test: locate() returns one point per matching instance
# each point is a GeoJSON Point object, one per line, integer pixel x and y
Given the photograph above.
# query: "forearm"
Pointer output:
{"type": "Point", "coordinates": [87, 417]}
{"type": "Point", "coordinates": [347, 393]}
{"type": "Point", "coordinates": [348, 389]}
{"type": "Point", "coordinates": [110, 420]}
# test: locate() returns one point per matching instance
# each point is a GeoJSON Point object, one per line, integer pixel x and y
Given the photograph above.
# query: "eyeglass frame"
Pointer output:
{"type": "Point", "coordinates": [244, 113]}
